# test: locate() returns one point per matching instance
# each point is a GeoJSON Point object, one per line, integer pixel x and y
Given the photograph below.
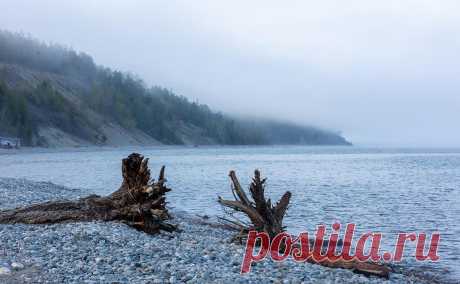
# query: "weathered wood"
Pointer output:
{"type": "Point", "coordinates": [261, 213]}
{"type": "Point", "coordinates": [139, 202]}
{"type": "Point", "coordinates": [238, 190]}
{"type": "Point", "coordinates": [365, 268]}
{"type": "Point", "coordinates": [267, 218]}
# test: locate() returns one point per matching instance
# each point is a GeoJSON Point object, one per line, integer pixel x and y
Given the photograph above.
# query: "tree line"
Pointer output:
{"type": "Point", "coordinates": [122, 98]}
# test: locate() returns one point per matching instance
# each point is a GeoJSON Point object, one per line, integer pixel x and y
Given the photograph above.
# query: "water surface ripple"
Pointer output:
{"type": "Point", "coordinates": [384, 190]}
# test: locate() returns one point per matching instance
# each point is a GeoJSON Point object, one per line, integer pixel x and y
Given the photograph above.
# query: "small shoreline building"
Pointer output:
{"type": "Point", "coordinates": [10, 142]}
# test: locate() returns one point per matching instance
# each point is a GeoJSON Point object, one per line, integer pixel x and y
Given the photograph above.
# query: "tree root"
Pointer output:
{"type": "Point", "coordinates": [267, 218]}
{"type": "Point", "coordinates": [139, 202]}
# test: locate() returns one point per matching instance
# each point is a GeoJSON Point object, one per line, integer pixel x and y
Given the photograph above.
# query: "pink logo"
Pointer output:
{"type": "Point", "coordinates": [299, 248]}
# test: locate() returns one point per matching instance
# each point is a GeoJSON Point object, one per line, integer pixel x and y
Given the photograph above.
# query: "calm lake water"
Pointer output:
{"type": "Point", "coordinates": [381, 190]}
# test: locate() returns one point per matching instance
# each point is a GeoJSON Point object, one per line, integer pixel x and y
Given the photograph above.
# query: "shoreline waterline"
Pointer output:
{"type": "Point", "coordinates": [386, 184]}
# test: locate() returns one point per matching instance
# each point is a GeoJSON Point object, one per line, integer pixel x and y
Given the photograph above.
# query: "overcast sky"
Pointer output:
{"type": "Point", "coordinates": [381, 72]}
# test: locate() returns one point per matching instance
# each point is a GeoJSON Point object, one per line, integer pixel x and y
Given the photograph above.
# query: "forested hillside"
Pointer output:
{"type": "Point", "coordinates": [51, 93]}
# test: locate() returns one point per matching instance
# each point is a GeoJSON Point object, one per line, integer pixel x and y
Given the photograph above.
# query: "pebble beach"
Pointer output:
{"type": "Point", "coordinates": [97, 252]}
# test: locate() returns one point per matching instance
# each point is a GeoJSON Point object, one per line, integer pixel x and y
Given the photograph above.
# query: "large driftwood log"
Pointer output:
{"type": "Point", "coordinates": [267, 218]}
{"type": "Point", "coordinates": [139, 202]}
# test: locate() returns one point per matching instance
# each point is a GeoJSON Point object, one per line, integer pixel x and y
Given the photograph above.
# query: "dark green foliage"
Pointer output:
{"type": "Point", "coordinates": [25, 51]}
{"type": "Point", "coordinates": [158, 112]}
{"type": "Point", "coordinates": [61, 113]}
{"type": "Point", "coordinates": [123, 99]}
{"type": "Point", "coordinates": [289, 133]}
{"type": "Point", "coordinates": [14, 115]}
{"type": "Point", "coordinates": [19, 116]}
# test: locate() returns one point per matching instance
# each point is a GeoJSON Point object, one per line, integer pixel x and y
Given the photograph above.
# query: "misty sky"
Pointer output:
{"type": "Point", "coordinates": [381, 72]}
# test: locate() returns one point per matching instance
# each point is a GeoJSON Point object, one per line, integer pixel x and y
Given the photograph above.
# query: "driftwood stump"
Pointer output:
{"type": "Point", "coordinates": [267, 218]}
{"type": "Point", "coordinates": [263, 215]}
{"type": "Point", "coordinates": [139, 202]}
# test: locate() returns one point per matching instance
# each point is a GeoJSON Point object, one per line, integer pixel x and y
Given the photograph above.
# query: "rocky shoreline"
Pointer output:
{"type": "Point", "coordinates": [97, 252]}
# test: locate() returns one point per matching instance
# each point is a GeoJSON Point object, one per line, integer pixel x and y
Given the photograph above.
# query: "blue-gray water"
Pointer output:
{"type": "Point", "coordinates": [383, 190]}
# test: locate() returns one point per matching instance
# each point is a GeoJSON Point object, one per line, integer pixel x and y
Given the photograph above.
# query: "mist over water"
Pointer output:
{"type": "Point", "coordinates": [379, 189]}
{"type": "Point", "coordinates": [382, 73]}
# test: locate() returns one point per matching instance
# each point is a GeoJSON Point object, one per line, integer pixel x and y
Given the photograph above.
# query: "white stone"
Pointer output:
{"type": "Point", "coordinates": [17, 265]}
{"type": "Point", "coordinates": [5, 271]}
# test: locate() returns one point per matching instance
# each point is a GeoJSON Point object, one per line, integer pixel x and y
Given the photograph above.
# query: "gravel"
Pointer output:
{"type": "Point", "coordinates": [98, 252]}
{"type": "Point", "coordinates": [19, 192]}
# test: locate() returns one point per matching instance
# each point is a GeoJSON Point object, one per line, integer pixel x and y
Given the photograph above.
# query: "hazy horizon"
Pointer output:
{"type": "Point", "coordinates": [380, 73]}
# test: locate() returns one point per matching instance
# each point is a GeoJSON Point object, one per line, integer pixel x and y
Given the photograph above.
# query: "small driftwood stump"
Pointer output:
{"type": "Point", "coordinates": [263, 215]}
{"type": "Point", "coordinates": [139, 202]}
{"type": "Point", "coordinates": [267, 218]}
